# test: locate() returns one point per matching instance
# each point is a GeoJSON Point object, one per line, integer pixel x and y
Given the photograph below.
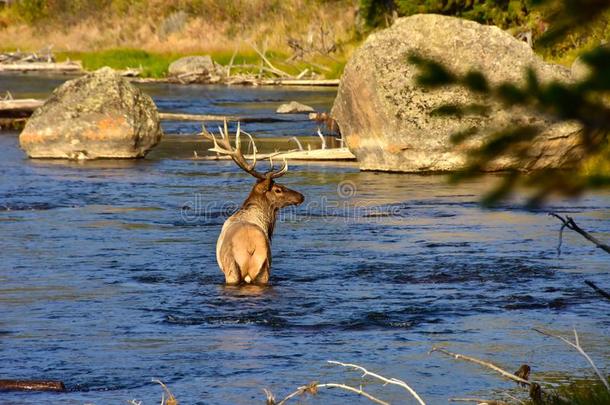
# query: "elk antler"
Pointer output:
{"type": "Point", "coordinates": [236, 154]}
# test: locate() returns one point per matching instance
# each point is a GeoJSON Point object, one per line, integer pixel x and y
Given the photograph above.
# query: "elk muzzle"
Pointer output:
{"type": "Point", "coordinates": [295, 198]}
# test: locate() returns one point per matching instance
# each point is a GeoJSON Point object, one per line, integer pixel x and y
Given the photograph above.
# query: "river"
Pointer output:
{"type": "Point", "coordinates": [108, 275]}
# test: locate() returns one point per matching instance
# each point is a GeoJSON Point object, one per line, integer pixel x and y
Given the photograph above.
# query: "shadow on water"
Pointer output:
{"type": "Point", "coordinates": [109, 277]}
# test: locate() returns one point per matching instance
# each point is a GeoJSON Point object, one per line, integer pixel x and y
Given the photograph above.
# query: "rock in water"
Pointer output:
{"type": "Point", "coordinates": [386, 118]}
{"type": "Point", "coordinates": [195, 69]}
{"type": "Point", "coordinates": [100, 115]}
{"type": "Point", "coordinates": [294, 107]}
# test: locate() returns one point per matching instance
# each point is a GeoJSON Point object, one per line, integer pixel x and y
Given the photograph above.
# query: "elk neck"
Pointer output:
{"type": "Point", "coordinates": [259, 212]}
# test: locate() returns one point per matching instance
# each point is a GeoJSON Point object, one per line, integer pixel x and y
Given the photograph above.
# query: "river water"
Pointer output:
{"type": "Point", "coordinates": [108, 276]}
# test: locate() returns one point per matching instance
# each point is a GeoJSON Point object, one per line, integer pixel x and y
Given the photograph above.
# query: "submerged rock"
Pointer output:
{"type": "Point", "coordinates": [100, 115]}
{"type": "Point", "coordinates": [195, 69]}
{"type": "Point", "coordinates": [386, 118]}
{"type": "Point", "coordinates": [294, 107]}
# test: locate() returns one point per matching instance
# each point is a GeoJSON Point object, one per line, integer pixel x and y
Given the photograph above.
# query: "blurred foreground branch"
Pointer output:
{"type": "Point", "coordinates": [584, 101]}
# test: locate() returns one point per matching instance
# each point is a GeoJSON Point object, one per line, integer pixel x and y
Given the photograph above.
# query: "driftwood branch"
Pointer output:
{"type": "Point", "coordinates": [499, 370]}
{"type": "Point", "coordinates": [164, 116]}
{"type": "Point", "coordinates": [32, 385]}
{"type": "Point", "coordinates": [568, 222]}
{"type": "Point", "coordinates": [393, 381]}
{"type": "Point", "coordinates": [300, 146]}
{"type": "Point", "coordinates": [597, 289]}
{"type": "Point", "coordinates": [576, 345]}
{"type": "Point", "coordinates": [313, 389]}
{"type": "Point", "coordinates": [322, 138]}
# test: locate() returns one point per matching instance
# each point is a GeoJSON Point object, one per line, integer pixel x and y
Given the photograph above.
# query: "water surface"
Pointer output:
{"type": "Point", "coordinates": [108, 276]}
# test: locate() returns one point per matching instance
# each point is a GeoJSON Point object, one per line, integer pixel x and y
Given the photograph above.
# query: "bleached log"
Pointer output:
{"type": "Point", "coordinates": [206, 117]}
{"type": "Point", "coordinates": [41, 67]}
{"type": "Point", "coordinates": [332, 154]}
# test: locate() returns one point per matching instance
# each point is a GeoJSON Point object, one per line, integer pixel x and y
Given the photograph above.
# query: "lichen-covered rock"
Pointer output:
{"type": "Point", "coordinates": [386, 117]}
{"type": "Point", "coordinates": [294, 107]}
{"type": "Point", "coordinates": [195, 69]}
{"type": "Point", "coordinates": [100, 115]}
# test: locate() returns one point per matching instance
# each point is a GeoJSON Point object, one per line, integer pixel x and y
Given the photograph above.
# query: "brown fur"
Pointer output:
{"type": "Point", "coordinates": [243, 250]}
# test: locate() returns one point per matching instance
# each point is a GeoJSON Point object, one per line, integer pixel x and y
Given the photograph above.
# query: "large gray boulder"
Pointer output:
{"type": "Point", "coordinates": [386, 118]}
{"type": "Point", "coordinates": [195, 69]}
{"type": "Point", "coordinates": [100, 115]}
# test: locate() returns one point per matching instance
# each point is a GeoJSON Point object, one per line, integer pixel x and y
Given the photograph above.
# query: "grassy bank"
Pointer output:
{"type": "Point", "coordinates": [153, 33]}
{"type": "Point", "coordinates": [152, 64]}
{"type": "Point", "coordinates": [155, 64]}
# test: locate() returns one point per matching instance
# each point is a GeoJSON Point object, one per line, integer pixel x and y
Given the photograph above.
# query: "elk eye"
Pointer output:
{"type": "Point", "coordinates": [277, 191]}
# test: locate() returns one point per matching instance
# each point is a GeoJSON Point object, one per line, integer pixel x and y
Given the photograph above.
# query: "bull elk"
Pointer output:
{"type": "Point", "coordinates": [243, 250]}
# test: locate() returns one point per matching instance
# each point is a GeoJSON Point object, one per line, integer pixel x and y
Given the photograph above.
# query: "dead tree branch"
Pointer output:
{"type": "Point", "coordinates": [576, 345]}
{"type": "Point", "coordinates": [393, 381]}
{"type": "Point", "coordinates": [568, 222]}
{"type": "Point", "coordinates": [597, 289]}
{"type": "Point", "coordinates": [499, 370]}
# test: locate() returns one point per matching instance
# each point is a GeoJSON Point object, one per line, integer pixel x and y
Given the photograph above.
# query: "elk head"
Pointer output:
{"type": "Point", "coordinates": [243, 249]}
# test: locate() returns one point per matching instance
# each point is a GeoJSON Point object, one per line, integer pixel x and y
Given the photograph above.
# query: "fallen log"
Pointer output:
{"type": "Point", "coordinates": [19, 108]}
{"type": "Point", "coordinates": [41, 67]}
{"type": "Point", "coordinates": [32, 385]}
{"type": "Point", "coordinates": [251, 81]}
{"type": "Point", "coordinates": [330, 154]}
{"type": "Point", "coordinates": [221, 118]}
{"type": "Point", "coordinates": [239, 80]}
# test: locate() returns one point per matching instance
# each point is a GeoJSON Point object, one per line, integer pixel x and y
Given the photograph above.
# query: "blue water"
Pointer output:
{"type": "Point", "coordinates": [108, 276]}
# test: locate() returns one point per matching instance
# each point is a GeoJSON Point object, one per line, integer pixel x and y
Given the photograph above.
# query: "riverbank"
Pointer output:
{"type": "Point", "coordinates": [152, 34]}
{"type": "Point", "coordinates": [245, 61]}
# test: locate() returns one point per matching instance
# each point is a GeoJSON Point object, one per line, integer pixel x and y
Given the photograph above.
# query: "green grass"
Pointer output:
{"type": "Point", "coordinates": [153, 64]}
{"type": "Point", "coordinates": [583, 392]}
{"type": "Point", "coordinates": [156, 64]}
